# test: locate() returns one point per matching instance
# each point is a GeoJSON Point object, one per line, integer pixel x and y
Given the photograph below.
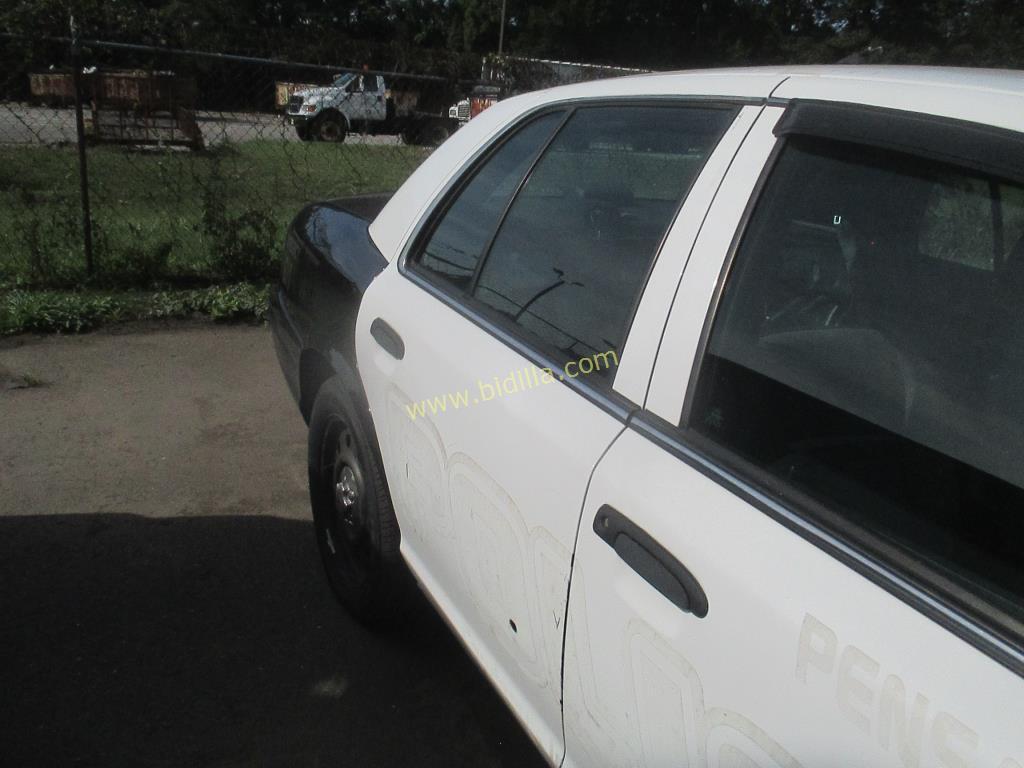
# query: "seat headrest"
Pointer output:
{"type": "Point", "coordinates": [812, 260]}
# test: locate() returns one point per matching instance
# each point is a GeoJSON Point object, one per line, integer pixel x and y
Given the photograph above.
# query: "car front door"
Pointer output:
{"type": "Point", "coordinates": [488, 352]}
{"type": "Point", "coordinates": [804, 550]}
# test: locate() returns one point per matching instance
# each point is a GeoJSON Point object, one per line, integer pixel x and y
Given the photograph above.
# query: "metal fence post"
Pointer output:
{"type": "Point", "coordinates": [83, 168]}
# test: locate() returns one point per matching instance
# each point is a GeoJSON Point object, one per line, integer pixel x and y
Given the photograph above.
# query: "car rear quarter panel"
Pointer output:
{"type": "Point", "coordinates": [329, 261]}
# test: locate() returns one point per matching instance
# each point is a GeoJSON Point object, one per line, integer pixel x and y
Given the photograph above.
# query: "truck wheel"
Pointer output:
{"type": "Point", "coordinates": [428, 135]}
{"type": "Point", "coordinates": [303, 132]}
{"type": "Point", "coordinates": [356, 529]}
{"type": "Point", "coordinates": [434, 135]}
{"type": "Point", "coordinates": [330, 128]}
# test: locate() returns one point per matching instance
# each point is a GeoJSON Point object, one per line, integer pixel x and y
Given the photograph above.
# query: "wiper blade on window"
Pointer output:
{"type": "Point", "coordinates": [545, 291]}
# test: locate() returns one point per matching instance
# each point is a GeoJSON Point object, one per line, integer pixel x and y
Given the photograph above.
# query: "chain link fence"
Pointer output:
{"type": "Point", "coordinates": [193, 165]}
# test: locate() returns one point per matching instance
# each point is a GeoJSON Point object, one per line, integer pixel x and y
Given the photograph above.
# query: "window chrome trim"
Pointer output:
{"type": "Point", "coordinates": [780, 506]}
{"type": "Point", "coordinates": [730, 257]}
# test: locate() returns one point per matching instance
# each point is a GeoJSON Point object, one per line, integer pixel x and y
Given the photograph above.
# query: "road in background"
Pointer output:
{"type": "Point", "coordinates": [161, 593]}
{"type": "Point", "coordinates": [25, 124]}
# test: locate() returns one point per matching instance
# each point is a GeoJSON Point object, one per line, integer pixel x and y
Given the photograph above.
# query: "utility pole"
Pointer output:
{"type": "Point", "coordinates": [83, 169]}
{"type": "Point", "coordinates": [501, 32]}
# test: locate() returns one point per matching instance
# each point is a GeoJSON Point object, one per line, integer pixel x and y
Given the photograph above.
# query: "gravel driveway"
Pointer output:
{"type": "Point", "coordinates": [161, 596]}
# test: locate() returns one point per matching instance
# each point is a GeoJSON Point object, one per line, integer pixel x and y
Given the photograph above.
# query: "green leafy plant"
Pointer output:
{"type": "Point", "coordinates": [242, 238]}
{"type": "Point", "coordinates": [240, 301]}
{"type": "Point", "coordinates": [49, 311]}
{"type": "Point", "coordinates": [23, 311]}
{"type": "Point", "coordinates": [243, 244]}
{"type": "Point", "coordinates": [45, 234]}
{"type": "Point", "coordinates": [136, 262]}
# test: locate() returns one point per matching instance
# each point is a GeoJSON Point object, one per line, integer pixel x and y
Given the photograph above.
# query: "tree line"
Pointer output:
{"type": "Point", "coordinates": [448, 36]}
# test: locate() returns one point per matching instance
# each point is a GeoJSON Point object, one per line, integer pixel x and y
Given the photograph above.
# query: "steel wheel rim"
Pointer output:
{"type": "Point", "coordinates": [346, 529]}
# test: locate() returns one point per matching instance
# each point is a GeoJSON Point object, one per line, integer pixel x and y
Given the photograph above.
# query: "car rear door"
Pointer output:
{"type": "Point", "coordinates": [488, 354]}
{"type": "Point", "coordinates": [804, 550]}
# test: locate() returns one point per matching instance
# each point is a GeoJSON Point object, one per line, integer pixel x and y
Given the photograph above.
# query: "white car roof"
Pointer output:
{"type": "Point", "coordinates": [988, 96]}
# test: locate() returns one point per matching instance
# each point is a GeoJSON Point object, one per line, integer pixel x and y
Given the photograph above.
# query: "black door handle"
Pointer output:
{"type": "Point", "coordinates": [388, 338]}
{"type": "Point", "coordinates": [653, 562]}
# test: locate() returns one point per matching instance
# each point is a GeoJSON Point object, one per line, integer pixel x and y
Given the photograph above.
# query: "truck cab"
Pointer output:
{"type": "Point", "coordinates": [328, 113]}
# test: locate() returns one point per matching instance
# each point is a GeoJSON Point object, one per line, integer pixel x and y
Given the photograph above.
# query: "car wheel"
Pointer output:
{"type": "Point", "coordinates": [330, 128]}
{"type": "Point", "coordinates": [356, 529]}
{"type": "Point", "coordinates": [303, 132]}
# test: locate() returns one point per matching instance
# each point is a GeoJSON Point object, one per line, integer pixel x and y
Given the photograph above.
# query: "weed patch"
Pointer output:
{"type": "Point", "coordinates": [23, 311]}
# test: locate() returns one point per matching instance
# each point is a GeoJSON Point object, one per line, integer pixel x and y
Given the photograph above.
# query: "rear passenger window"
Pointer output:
{"type": "Point", "coordinates": [869, 353]}
{"type": "Point", "coordinates": [570, 258]}
{"type": "Point", "coordinates": [454, 248]}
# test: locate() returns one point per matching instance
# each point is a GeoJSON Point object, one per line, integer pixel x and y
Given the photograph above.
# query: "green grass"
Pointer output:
{"type": "Point", "coordinates": [172, 216]}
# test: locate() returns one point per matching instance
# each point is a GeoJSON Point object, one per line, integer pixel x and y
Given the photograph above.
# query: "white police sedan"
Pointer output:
{"type": "Point", "coordinates": [695, 402]}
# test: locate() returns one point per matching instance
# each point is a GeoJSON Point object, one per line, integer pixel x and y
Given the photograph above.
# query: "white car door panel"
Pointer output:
{"type": "Point", "coordinates": [824, 643]}
{"type": "Point", "coordinates": [488, 436]}
{"type": "Point", "coordinates": [487, 496]}
{"type": "Point", "coordinates": [800, 660]}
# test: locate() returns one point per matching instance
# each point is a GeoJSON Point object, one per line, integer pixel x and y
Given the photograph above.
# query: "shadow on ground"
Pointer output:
{"type": "Point", "coordinates": [213, 641]}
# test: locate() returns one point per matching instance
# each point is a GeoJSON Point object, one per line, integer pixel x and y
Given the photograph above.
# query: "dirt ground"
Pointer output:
{"type": "Point", "coordinates": [161, 600]}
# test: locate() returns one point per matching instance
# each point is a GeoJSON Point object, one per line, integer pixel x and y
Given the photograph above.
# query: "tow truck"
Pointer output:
{"type": "Point", "coordinates": [362, 102]}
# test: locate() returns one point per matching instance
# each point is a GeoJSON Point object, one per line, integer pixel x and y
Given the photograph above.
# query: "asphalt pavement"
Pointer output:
{"type": "Point", "coordinates": [161, 599]}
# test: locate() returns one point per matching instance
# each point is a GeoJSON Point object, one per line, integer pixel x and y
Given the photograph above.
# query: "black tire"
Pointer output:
{"type": "Point", "coordinates": [426, 134]}
{"type": "Point", "coordinates": [434, 135]}
{"type": "Point", "coordinates": [330, 128]}
{"type": "Point", "coordinates": [303, 132]}
{"type": "Point", "coordinates": [356, 529]}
